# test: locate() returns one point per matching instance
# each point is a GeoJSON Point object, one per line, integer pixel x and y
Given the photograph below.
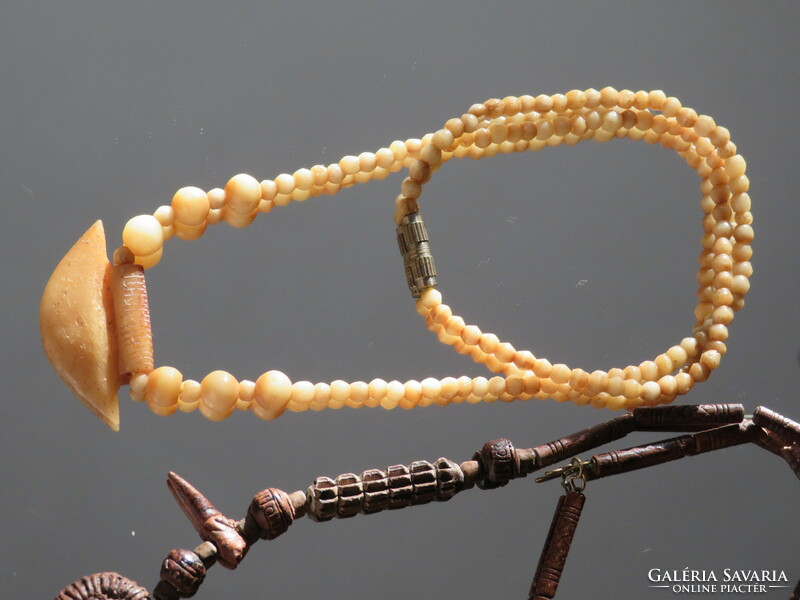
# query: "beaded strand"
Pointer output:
{"type": "Point", "coordinates": [504, 126]}
{"type": "Point", "coordinates": [513, 124]}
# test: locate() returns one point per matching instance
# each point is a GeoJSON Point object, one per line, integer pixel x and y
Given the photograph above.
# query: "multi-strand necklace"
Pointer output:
{"type": "Point", "coordinates": [96, 326]}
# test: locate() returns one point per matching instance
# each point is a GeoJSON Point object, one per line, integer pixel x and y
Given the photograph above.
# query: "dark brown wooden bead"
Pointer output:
{"type": "Point", "coordinates": [270, 514]}
{"type": "Point", "coordinates": [103, 586]}
{"type": "Point", "coordinates": [556, 547]}
{"type": "Point", "coordinates": [184, 570]}
{"type": "Point", "coordinates": [686, 417]}
{"type": "Point", "coordinates": [500, 463]}
{"type": "Point", "coordinates": [449, 479]}
{"type": "Point", "coordinates": [401, 491]}
{"type": "Point", "coordinates": [376, 491]}
{"type": "Point", "coordinates": [423, 481]}
{"type": "Point", "coordinates": [351, 495]}
{"type": "Point", "coordinates": [639, 457]}
{"type": "Point", "coordinates": [785, 428]}
{"type": "Point", "coordinates": [724, 437]}
{"type": "Point", "coordinates": [322, 498]}
{"type": "Point", "coordinates": [581, 441]}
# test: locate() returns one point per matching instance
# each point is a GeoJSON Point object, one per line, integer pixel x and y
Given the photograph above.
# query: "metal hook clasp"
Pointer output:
{"type": "Point", "coordinates": [573, 475]}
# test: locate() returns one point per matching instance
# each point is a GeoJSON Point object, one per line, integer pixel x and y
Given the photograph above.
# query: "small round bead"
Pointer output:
{"type": "Point", "coordinates": [143, 235]}
{"type": "Point", "coordinates": [190, 205]}
{"type": "Point", "coordinates": [242, 193]}
{"type": "Point", "coordinates": [189, 398]}
{"type": "Point", "coordinates": [138, 384]}
{"type": "Point", "coordinates": [193, 232]}
{"type": "Point", "coordinates": [150, 260]}
{"type": "Point", "coordinates": [272, 393]}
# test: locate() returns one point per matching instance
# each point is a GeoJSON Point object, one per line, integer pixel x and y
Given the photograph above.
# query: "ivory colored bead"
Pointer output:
{"type": "Point", "coordinates": [631, 388]}
{"type": "Point", "coordinates": [524, 360]}
{"type": "Point", "coordinates": [377, 391]}
{"type": "Point", "coordinates": [471, 335]}
{"type": "Point", "coordinates": [650, 392]}
{"type": "Point", "coordinates": [163, 387]}
{"type": "Point", "coordinates": [164, 215]}
{"type": "Point", "coordinates": [412, 393]}
{"type": "Point", "coordinates": [560, 373]}
{"type": "Point", "coordinates": [272, 393]}
{"type": "Point", "coordinates": [151, 260]}
{"type": "Point", "coordinates": [242, 193]}
{"type": "Point", "coordinates": [191, 232]}
{"type": "Point", "coordinates": [143, 235]}
{"type": "Point", "coordinates": [238, 220]}
{"type": "Point", "coordinates": [359, 394]}
{"type": "Point", "coordinates": [138, 385]}
{"type": "Point", "coordinates": [668, 385]}
{"type": "Point", "coordinates": [542, 368]}
{"type": "Point", "coordinates": [219, 391]}
{"type": "Point", "coordinates": [247, 390]}
{"type": "Point", "coordinates": [190, 205]}
{"type": "Point", "coordinates": [189, 397]}
{"type": "Point", "coordinates": [488, 343]}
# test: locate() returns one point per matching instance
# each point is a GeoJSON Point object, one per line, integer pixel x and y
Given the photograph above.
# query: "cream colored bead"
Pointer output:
{"type": "Point", "coordinates": [247, 390]}
{"type": "Point", "coordinates": [560, 373]}
{"type": "Point", "coordinates": [542, 368]}
{"type": "Point", "coordinates": [190, 206]}
{"type": "Point", "coordinates": [138, 385]}
{"type": "Point", "coordinates": [216, 198]}
{"type": "Point", "coordinates": [218, 392]}
{"type": "Point", "coordinates": [272, 394]}
{"type": "Point", "coordinates": [143, 235]}
{"type": "Point", "coordinates": [192, 232]}
{"type": "Point", "coordinates": [164, 215]}
{"type": "Point", "coordinates": [376, 392]}
{"type": "Point", "coordinates": [359, 393]}
{"type": "Point", "coordinates": [151, 260]}
{"type": "Point", "coordinates": [488, 343]}
{"type": "Point", "coordinates": [238, 220]}
{"type": "Point", "coordinates": [189, 398]}
{"type": "Point", "coordinates": [242, 193]}
{"type": "Point", "coordinates": [163, 387]}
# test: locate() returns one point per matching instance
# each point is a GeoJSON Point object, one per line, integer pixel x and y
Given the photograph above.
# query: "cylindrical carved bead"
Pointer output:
{"type": "Point", "coordinates": [724, 437]}
{"type": "Point", "coordinates": [401, 490]}
{"type": "Point", "coordinates": [322, 498]}
{"type": "Point", "coordinates": [423, 481]}
{"type": "Point", "coordinates": [132, 319]}
{"type": "Point", "coordinates": [500, 463]}
{"type": "Point", "coordinates": [270, 514]}
{"type": "Point", "coordinates": [686, 417]}
{"type": "Point", "coordinates": [103, 586]}
{"type": "Point", "coordinates": [556, 547]}
{"type": "Point", "coordinates": [184, 570]}
{"type": "Point", "coordinates": [631, 459]}
{"type": "Point", "coordinates": [376, 491]}
{"type": "Point", "coordinates": [449, 478]}
{"type": "Point", "coordinates": [351, 495]}
{"type": "Point", "coordinates": [571, 445]}
{"type": "Point", "coordinates": [785, 428]}
{"type": "Point", "coordinates": [412, 238]}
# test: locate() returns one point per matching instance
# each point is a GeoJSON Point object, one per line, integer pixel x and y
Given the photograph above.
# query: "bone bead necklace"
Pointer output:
{"type": "Point", "coordinates": [95, 322]}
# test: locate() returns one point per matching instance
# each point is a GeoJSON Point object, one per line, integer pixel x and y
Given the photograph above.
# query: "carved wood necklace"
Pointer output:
{"type": "Point", "coordinates": [95, 322]}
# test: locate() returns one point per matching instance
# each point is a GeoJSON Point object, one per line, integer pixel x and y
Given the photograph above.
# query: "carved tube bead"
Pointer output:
{"type": "Point", "coordinates": [686, 417]}
{"type": "Point", "coordinates": [132, 318]}
{"type": "Point", "coordinates": [556, 547]}
{"type": "Point", "coordinates": [776, 423]}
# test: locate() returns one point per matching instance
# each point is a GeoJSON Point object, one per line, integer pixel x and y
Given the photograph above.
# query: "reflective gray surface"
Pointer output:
{"type": "Point", "coordinates": [585, 255]}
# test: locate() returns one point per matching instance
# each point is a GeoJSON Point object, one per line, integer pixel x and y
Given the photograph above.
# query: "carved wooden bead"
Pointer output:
{"type": "Point", "coordinates": [321, 499]}
{"type": "Point", "coordinates": [499, 461]}
{"type": "Point", "coordinates": [351, 495]}
{"type": "Point", "coordinates": [103, 586]}
{"type": "Point", "coordinates": [184, 570]}
{"type": "Point", "coordinates": [401, 490]}
{"type": "Point", "coordinates": [449, 479]}
{"type": "Point", "coordinates": [376, 491]}
{"type": "Point", "coordinates": [423, 481]}
{"type": "Point", "coordinates": [272, 512]}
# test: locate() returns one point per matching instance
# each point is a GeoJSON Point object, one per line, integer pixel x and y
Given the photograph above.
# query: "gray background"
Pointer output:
{"type": "Point", "coordinates": [109, 107]}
